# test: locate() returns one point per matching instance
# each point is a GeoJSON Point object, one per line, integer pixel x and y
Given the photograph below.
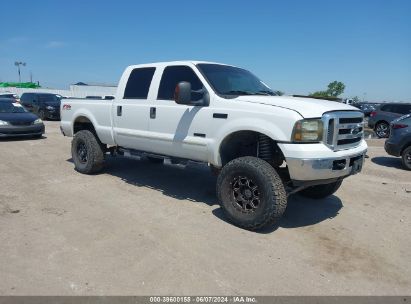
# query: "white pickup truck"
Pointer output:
{"type": "Point", "coordinates": [263, 147]}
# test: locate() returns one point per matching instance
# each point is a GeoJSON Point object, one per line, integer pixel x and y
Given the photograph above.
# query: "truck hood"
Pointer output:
{"type": "Point", "coordinates": [306, 107]}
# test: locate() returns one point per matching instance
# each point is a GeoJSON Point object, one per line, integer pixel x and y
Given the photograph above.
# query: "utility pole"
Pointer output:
{"type": "Point", "coordinates": [31, 76]}
{"type": "Point", "coordinates": [18, 64]}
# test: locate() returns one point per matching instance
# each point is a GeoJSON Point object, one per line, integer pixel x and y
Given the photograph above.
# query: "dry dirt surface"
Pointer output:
{"type": "Point", "coordinates": [143, 229]}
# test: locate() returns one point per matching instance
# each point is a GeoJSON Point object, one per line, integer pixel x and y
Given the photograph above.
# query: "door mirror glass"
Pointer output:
{"type": "Point", "coordinates": [182, 93]}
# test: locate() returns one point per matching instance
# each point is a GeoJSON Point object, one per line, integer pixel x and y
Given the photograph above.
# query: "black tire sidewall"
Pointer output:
{"type": "Point", "coordinates": [268, 199]}
{"type": "Point", "coordinates": [227, 196]}
{"type": "Point", "coordinates": [321, 191]}
{"type": "Point", "coordinates": [403, 158]}
{"type": "Point", "coordinates": [94, 152]}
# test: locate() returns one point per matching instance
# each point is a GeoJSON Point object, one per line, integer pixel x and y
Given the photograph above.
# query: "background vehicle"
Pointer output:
{"type": "Point", "coordinates": [226, 117]}
{"type": "Point", "coordinates": [365, 108]}
{"type": "Point", "coordinates": [15, 97]}
{"type": "Point", "coordinates": [15, 120]}
{"type": "Point", "coordinates": [399, 142]}
{"type": "Point", "coordinates": [380, 119]}
{"type": "Point", "coordinates": [45, 105]}
{"type": "Point", "coordinates": [349, 101]}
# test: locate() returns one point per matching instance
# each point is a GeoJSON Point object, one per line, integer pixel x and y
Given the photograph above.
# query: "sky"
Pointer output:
{"type": "Point", "coordinates": [296, 46]}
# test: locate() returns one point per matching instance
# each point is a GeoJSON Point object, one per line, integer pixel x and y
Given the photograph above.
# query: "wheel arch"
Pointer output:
{"type": "Point", "coordinates": [245, 142]}
{"type": "Point", "coordinates": [83, 122]}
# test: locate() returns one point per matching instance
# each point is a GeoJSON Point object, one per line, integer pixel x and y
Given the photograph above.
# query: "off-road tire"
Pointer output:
{"type": "Point", "coordinates": [321, 191]}
{"type": "Point", "coordinates": [406, 154]}
{"type": "Point", "coordinates": [271, 193]}
{"type": "Point", "coordinates": [94, 153]}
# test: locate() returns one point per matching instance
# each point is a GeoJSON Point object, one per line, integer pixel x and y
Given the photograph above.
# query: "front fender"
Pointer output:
{"type": "Point", "coordinates": [263, 126]}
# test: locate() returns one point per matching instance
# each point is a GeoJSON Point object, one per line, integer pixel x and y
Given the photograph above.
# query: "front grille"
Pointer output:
{"type": "Point", "coordinates": [351, 120]}
{"type": "Point", "coordinates": [21, 123]}
{"type": "Point", "coordinates": [343, 130]}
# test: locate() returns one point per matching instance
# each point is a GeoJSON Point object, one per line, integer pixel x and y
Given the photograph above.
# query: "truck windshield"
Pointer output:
{"type": "Point", "coordinates": [232, 81]}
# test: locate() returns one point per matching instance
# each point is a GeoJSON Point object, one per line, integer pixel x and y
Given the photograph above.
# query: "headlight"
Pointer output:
{"type": "Point", "coordinates": [37, 121]}
{"type": "Point", "coordinates": [3, 123]}
{"type": "Point", "coordinates": [308, 130]}
{"type": "Point", "coordinates": [50, 108]}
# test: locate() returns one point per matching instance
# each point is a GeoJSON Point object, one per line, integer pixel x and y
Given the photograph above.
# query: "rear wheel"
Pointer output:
{"type": "Point", "coordinates": [251, 193]}
{"type": "Point", "coordinates": [406, 158]}
{"type": "Point", "coordinates": [382, 129]}
{"type": "Point", "coordinates": [87, 152]}
{"type": "Point", "coordinates": [321, 191]}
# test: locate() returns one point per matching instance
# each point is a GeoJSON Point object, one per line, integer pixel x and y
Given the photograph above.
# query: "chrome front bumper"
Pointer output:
{"type": "Point", "coordinates": [324, 168]}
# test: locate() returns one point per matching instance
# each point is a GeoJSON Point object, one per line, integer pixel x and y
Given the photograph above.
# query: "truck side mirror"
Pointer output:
{"type": "Point", "coordinates": [182, 93]}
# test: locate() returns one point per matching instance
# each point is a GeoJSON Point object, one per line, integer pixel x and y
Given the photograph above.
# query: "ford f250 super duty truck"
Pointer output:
{"type": "Point", "coordinates": [263, 147]}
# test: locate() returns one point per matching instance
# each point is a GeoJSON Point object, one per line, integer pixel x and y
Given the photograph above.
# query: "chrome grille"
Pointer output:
{"type": "Point", "coordinates": [343, 130]}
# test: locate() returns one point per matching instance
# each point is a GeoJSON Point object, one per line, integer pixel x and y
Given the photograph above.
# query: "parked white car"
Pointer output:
{"type": "Point", "coordinates": [264, 147]}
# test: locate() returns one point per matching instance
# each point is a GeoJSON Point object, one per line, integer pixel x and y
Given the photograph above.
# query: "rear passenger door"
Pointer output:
{"type": "Point", "coordinates": [130, 112]}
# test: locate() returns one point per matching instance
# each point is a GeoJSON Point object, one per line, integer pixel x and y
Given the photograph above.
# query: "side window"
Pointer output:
{"type": "Point", "coordinates": [138, 83]}
{"type": "Point", "coordinates": [27, 98]}
{"type": "Point", "coordinates": [172, 75]}
{"type": "Point", "coordinates": [386, 108]}
{"type": "Point", "coordinates": [404, 109]}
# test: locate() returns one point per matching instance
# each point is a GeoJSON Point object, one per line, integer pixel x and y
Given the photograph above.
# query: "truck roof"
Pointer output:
{"type": "Point", "coordinates": [165, 63]}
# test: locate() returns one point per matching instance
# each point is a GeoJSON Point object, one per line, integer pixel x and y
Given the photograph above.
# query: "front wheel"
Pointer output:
{"type": "Point", "coordinates": [406, 158]}
{"type": "Point", "coordinates": [42, 115]}
{"type": "Point", "coordinates": [321, 191]}
{"type": "Point", "coordinates": [251, 193]}
{"type": "Point", "coordinates": [382, 129]}
{"type": "Point", "coordinates": [87, 152]}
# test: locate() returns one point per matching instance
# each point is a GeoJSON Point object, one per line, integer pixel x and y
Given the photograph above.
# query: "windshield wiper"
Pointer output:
{"type": "Point", "coordinates": [236, 92]}
{"type": "Point", "coordinates": [265, 92]}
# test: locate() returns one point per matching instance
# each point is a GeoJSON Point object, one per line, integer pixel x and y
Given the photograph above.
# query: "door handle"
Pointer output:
{"type": "Point", "coordinates": [119, 110]}
{"type": "Point", "coordinates": [152, 112]}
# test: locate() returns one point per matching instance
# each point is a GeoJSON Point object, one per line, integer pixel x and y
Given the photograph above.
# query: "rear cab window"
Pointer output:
{"type": "Point", "coordinates": [138, 83]}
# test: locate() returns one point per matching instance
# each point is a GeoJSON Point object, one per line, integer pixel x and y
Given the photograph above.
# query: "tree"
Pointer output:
{"type": "Point", "coordinates": [320, 94]}
{"type": "Point", "coordinates": [356, 99]}
{"type": "Point", "coordinates": [335, 88]}
{"type": "Point", "coordinates": [279, 93]}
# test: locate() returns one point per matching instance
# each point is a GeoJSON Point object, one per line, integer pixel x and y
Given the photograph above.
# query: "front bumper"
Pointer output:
{"type": "Point", "coordinates": [14, 131]}
{"type": "Point", "coordinates": [307, 163]}
{"type": "Point", "coordinates": [393, 149]}
{"type": "Point", "coordinates": [52, 114]}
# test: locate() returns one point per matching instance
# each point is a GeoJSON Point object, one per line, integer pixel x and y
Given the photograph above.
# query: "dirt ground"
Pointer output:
{"type": "Point", "coordinates": [144, 229]}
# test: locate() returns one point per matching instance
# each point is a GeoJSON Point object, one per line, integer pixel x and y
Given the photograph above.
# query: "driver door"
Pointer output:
{"type": "Point", "coordinates": [175, 129]}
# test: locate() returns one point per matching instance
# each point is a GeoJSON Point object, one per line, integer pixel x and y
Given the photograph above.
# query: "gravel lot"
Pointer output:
{"type": "Point", "coordinates": [144, 229]}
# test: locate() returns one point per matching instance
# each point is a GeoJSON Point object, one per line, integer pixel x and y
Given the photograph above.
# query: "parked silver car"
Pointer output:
{"type": "Point", "coordinates": [380, 119]}
{"type": "Point", "coordinates": [399, 142]}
